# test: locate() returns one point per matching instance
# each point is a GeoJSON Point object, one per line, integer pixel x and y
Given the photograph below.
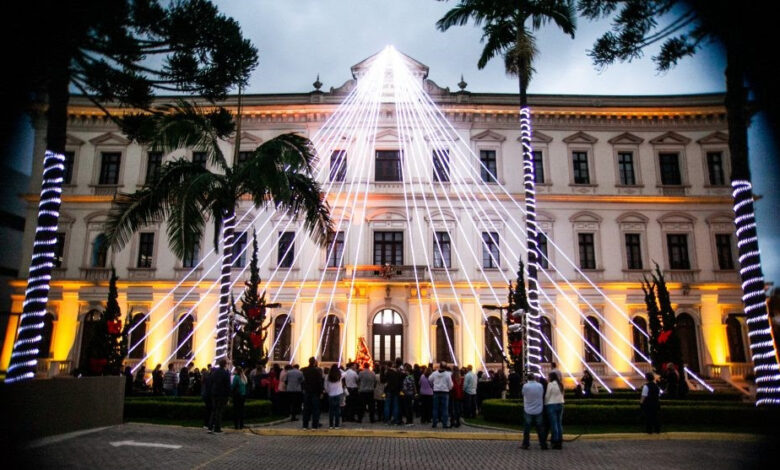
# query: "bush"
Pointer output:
{"type": "Point", "coordinates": [186, 408]}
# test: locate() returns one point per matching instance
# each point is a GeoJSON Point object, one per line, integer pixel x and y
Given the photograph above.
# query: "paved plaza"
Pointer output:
{"type": "Point", "coordinates": [141, 446]}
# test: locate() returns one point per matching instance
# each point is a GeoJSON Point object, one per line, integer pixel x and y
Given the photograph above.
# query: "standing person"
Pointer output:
{"type": "Point", "coordinates": [128, 373]}
{"type": "Point", "coordinates": [238, 386]}
{"type": "Point", "coordinates": [515, 384]}
{"type": "Point", "coordinates": [533, 406]}
{"type": "Point", "coordinates": [184, 381]}
{"type": "Point", "coordinates": [409, 391]}
{"type": "Point", "coordinates": [294, 389]}
{"type": "Point", "coordinates": [313, 385]}
{"type": "Point", "coordinates": [651, 404]}
{"type": "Point", "coordinates": [197, 381]}
{"type": "Point", "coordinates": [366, 384]}
{"type": "Point", "coordinates": [281, 390]}
{"type": "Point", "coordinates": [353, 399]}
{"type": "Point", "coordinates": [470, 393]}
{"type": "Point", "coordinates": [456, 397]}
{"type": "Point", "coordinates": [587, 384]}
{"type": "Point", "coordinates": [157, 380]}
{"type": "Point", "coordinates": [170, 381]}
{"type": "Point", "coordinates": [205, 395]}
{"type": "Point", "coordinates": [554, 370]}
{"type": "Point", "coordinates": [426, 396]}
{"type": "Point", "coordinates": [393, 379]}
{"type": "Point", "coordinates": [441, 382]}
{"type": "Point", "coordinates": [553, 409]}
{"type": "Point", "coordinates": [220, 391]}
{"type": "Point", "coordinates": [379, 392]}
{"type": "Point", "coordinates": [334, 388]}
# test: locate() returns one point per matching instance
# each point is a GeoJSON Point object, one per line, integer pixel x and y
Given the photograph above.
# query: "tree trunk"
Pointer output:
{"type": "Point", "coordinates": [24, 358]}
{"type": "Point", "coordinates": [223, 319]}
{"type": "Point", "coordinates": [762, 349]}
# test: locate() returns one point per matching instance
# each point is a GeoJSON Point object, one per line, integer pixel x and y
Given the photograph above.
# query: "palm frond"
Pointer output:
{"type": "Point", "coordinates": [305, 199]}
{"type": "Point", "coordinates": [499, 37]}
{"type": "Point", "coordinates": [188, 212]}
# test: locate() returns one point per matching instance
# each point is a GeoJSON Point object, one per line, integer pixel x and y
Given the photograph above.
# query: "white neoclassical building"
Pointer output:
{"type": "Point", "coordinates": [622, 182]}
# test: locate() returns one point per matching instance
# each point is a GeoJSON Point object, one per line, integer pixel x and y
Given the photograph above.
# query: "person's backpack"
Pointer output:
{"type": "Point", "coordinates": [408, 385]}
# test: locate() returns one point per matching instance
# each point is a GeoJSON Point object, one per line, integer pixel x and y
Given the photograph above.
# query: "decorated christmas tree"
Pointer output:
{"type": "Point", "coordinates": [664, 341]}
{"type": "Point", "coordinates": [363, 356]}
{"type": "Point", "coordinates": [249, 325]}
{"type": "Point", "coordinates": [108, 347]}
{"type": "Point", "coordinates": [518, 300]}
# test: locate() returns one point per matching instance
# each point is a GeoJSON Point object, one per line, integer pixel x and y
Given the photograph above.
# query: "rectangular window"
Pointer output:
{"type": "Point", "coordinates": [192, 257]}
{"type": "Point", "coordinates": [536, 156]}
{"type": "Point", "coordinates": [336, 248]}
{"type": "Point", "coordinates": [490, 254]}
{"type": "Point", "coordinates": [59, 250]}
{"type": "Point", "coordinates": [543, 263]}
{"type": "Point", "coordinates": [626, 168]}
{"type": "Point", "coordinates": [239, 253]}
{"type": "Point", "coordinates": [286, 250]}
{"type": "Point", "coordinates": [70, 158]}
{"type": "Point", "coordinates": [389, 248]}
{"type": "Point", "coordinates": [153, 166]}
{"type": "Point", "coordinates": [677, 244]}
{"type": "Point", "coordinates": [670, 169]}
{"type": "Point", "coordinates": [441, 165]}
{"type": "Point", "coordinates": [723, 246]}
{"type": "Point", "coordinates": [442, 249]}
{"type": "Point", "coordinates": [388, 165]}
{"type": "Point", "coordinates": [109, 167]}
{"type": "Point", "coordinates": [488, 168]}
{"type": "Point", "coordinates": [580, 162]}
{"type": "Point", "coordinates": [587, 250]}
{"type": "Point", "coordinates": [633, 251]}
{"type": "Point", "coordinates": [338, 165]}
{"type": "Point", "coordinates": [200, 158]}
{"type": "Point", "coordinates": [145, 249]}
{"type": "Point", "coordinates": [715, 168]}
{"type": "Point", "coordinates": [244, 156]}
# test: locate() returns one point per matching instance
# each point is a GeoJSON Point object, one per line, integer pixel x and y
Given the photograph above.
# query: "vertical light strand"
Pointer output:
{"type": "Point", "coordinates": [226, 237]}
{"type": "Point", "coordinates": [762, 345]}
{"type": "Point", "coordinates": [24, 358]}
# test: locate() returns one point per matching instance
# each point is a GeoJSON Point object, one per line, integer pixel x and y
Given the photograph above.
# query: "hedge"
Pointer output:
{"type": "Point", "coordinates": [585, 413]}
{"type": "Point", "coordinates": [187, 408]}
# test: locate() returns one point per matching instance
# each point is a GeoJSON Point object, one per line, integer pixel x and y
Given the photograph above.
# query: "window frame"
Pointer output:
{"type": "Point", "coordinates": [147, 258]}
{"type": "Point", "coordinates": [440, 162]}
{"type": "Point", "coordinates": [102, 153]}
{"type": "Point", "coordinates": [285, 256]}
{"type": "Point", "coordinates": [491, 239]}
{"type": "Point", "coordinates": [338, 175]}
{"type": "Point", "coordinates": [438, 262]}
{"type": "Point", "coordinates": [395, 250]}
{"type": "Point", "coordinates": [399, 169]}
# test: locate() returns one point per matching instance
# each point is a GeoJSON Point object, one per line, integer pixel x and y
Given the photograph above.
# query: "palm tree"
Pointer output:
{"type": "Point", "coordinates": [186, 194]}
{"type": "Point", "coordinates": [508, 31]}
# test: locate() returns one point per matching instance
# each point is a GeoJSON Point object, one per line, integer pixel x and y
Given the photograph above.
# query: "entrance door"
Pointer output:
{"type": "Point", "coordinates": [689, 346]}
{"type": "Point", "coordinates": [88, 330]}
{"type": "Point", "coordinates": [388, 334]}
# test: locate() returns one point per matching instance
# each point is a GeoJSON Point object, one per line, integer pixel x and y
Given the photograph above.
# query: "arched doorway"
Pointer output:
{"type": "Point", "coordinates": [639, 329]}
{"type": "Point", "coordinates": [445, 340]}
{"type": "Point", "coordinates": [593, 340]}
{"type": "Point", "coordinates": [184, 337]}
{"type": "Point", "coordinates": [331, 339]}
{"type": "Point", "coordinates": [387, 332]}
{"type": "Point", "coordinates": [734, 337]}
{"type": "Point", "coordinates": [137, 337]}
{"type": "Point", "coordinates": [689, 346]}
{"type": "Point", "coordinates": [546, 329]}
{"type": "Point", "coordinates": [283, 338]}
{"type": "Point", "coordinates": [89, 327]}
{"type": "Point", "coordinates": [44, 350]}
{"type": "Point", "coordinates": [494, 340]}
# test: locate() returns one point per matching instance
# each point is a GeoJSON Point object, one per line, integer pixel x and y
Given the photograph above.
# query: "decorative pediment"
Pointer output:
{"type": "Point", "coordinates": [385, 214]}
{"type": "Point", "coordinates": [109, 138]}
{"type": "Point", "coordinates": [540, 137]}
{"type": "Point", "coordinates": [670, 137]}
{"type": "Point", "coordinates": [387, 135]}
{"type": "Point", "coordinates": [717, 138]}
{"type": "Point", "coordinates": [626, 138]}
{"type": "Point", "coordinates": [721, 218]}
{"type": "Point", "coordinates": [417, 68]}
{"type": "Point", "coordinates": [676, 218]}
{"type": "Point", "coordinates": [580, 138]}
{"type": "Point", "coordinates": [440, 216]}
{"type": "Point", "coordinates": [439, 136]}
{"type": "Point", "coordinates": [247, 139]}
{"type": "Point", "coordinates": [585, 216]}
{"type": "Point", "coordinates": [73, 141]}
{"type": "Point", "coordinates": [632, 217]}
{"type": "Point", "coordinates": [488, 136]}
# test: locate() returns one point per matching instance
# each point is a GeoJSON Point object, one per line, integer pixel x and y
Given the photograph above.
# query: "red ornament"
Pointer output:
{"type": "Point", "coordinates": [114, 327]}
{"type": "Point", "coordinates": [256, 339]}
{"type": "Point", "coordinates": [517, 347]}
{"type": "Point", "coordinates": [253, 312]}
{"type": "Point", "coordinates": [664, 336]}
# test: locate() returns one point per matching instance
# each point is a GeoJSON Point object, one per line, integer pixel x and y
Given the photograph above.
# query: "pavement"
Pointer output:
{"type": "Point", "coordinates": [285, 445]}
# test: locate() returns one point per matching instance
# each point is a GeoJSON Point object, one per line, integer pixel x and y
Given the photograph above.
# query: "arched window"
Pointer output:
{"type": "Point", "coordinates": [89, 327]}
{"type": "Point", "coordinates": [331, 337]}
{"type": "Point", "coordinates": [387, 331]}
{"type": "Point", "coordinates": [639, 329]}
{"type": "Point", "coordinates": [137, 340]}
{"type": "Point", "coordinates": [184, 337]}
{"type": "Point", "coordinates": [592, 340]}
{"type": "Point", "coordinates": [546, 328]}
{"type": "Point", "coordinates": [689, 346]}
{"type": "Point", "coordinates": [494, 340]}
{"type": "Point", "coordinates": [735, 339]}
{"type": "Point", "coordinates": [283, 338]}
{"type": "Point", "coordinates": [44, 347]}
{"type": "Point", "coordinates": [99, 253]}
{"type": "Point", "coordinates": [445, 340]}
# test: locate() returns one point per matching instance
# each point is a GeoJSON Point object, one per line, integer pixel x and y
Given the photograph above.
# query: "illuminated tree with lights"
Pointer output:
{"type": "Point", "coordinates": [508, 31]}
{"type": "Point", "coordinates": [635, 26]}
{"type": "Point", "coordinates": [108, 347]}
{"type": "Point", "coordinates": [662, 321]}
{"type": "Point", "coordinates": [111, 52]}
{"type": "Point", "coordinates": [516, 323]}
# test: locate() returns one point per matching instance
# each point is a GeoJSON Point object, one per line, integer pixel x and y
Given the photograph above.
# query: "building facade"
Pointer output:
{"type": "Point", "coordinates": [622, 183]}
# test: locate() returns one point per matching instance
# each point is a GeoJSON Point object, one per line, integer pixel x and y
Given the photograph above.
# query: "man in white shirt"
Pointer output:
{"type": "Point", "coordinates": [441, 382]}
{"type": "Point", "coordinates": [470, 392]}
{"type": "Point", "coordinates": [533, 406]}
{"type": "Point", "coordinates": [350, 377]}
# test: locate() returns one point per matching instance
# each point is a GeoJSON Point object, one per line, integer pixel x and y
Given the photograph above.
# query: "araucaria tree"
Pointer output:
{"type": "Point", "coordinates": [664, 340]}
{"type": "Point", "coordinates": [508, 31]}
{"type": "Point", "coordinates": [108, 347]}
{"type": "Point", "coordinates": [516, 324]}
{"type": "Point", "coordinates": [692, 24]}
{"type": "Point", "coordinates": [118, 52]}
{"type": "Point", "coordinates": [187, 194]}
{"type": "Point", "coordinates": [249, 325]}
